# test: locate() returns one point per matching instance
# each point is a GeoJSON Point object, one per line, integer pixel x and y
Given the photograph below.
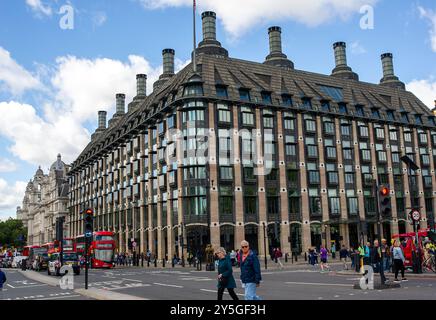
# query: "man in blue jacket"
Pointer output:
{"type": "Point", "coordinates": [250, 271]}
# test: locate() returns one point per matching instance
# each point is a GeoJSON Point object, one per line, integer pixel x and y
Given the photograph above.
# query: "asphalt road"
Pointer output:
{"type": "Point", "coordinates": [18, 287]}
{"type": "Point", "coordinates": [296, 283]}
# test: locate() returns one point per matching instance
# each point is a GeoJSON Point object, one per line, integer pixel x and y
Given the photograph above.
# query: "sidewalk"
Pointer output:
{"type": "Point", "coordinates": [409, 274]}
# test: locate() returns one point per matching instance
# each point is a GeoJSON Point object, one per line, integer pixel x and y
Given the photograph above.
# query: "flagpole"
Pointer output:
{"type": "Point", "coordinates": [194, 59]}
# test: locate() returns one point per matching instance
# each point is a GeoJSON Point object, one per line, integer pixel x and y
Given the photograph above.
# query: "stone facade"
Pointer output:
{"type": "Point", "coordinates": [257, 151]}
{"type": "Point", "coordinates": [45, 200]}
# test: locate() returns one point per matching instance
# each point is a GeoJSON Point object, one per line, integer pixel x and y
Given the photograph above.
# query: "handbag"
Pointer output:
{"type": "Point", "coordinates": [223, 281]}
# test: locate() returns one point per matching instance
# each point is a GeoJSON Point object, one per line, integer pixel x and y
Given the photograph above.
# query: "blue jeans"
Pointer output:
{"type": "Point", "coordinates": [386, 263]}
{"type": "Point", "coordinates": [250, 292]}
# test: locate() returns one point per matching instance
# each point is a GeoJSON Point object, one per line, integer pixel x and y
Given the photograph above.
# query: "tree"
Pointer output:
{"type": "Point", "coordinates": [12, 233]}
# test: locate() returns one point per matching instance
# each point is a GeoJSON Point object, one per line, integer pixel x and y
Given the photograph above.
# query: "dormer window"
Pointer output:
{"type": "Point", "coordinates": [404, 117]}
{"type": "Point", "coordinates": [266, 97]}
{"type": "Point", "coordinates": [325, 106]}
{"type": "Point", "coordinates": [375, 113]}
{"type": "Point", "coordinates": [221, 91]}
{"type": "Point", "coordinates": [418, 119]}
{"type": "Point", "coordinates": [195, 89]}
{"type": "Point", "coordinates": [391, 115]}
{"type": "Point", "coordinates": [432, 120]}
{"type": "Point", "coordinates": [287, 100]}
{"type": "Point", "coordinates": [244, 94]}
{"type": "Point", "coordinates": [307, 103]}
{"type": "Point", "coordinates": [342, 108]}
{"type": "Point", "coordinates": [359, 111]}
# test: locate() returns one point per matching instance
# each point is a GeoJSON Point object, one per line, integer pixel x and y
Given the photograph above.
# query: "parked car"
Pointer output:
{"type": "Point", "coordinates": [68, 259]}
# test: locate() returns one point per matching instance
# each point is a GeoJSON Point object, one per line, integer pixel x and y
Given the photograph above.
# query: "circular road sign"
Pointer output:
{"type": "Point", "coordinates": [416, 216]}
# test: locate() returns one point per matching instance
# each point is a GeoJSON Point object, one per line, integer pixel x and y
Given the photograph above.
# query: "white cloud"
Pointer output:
{"type": "Point", "coordinates": [11, 196]}
{"type": "Point", "coordinates": [357, 48]}
{"type": "Point", "coordinates": [7, 165]}
{"type": "Point", "coordinates": [238, 16]}
{"type": "Point", "coordinates": [78, 88]}
{"type": "Point", "coordinates": [39, 8]}
{"type": "Point", "coordinates": [13, 77]}
{"type": "Point", "coordinates": [431, 16]}
{"type": "Point", "coordinates": [425, 90]}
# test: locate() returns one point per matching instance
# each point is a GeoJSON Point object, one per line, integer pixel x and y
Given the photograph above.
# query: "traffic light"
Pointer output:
{"type": "Point", "coordinates": [385, 200]}
{"type": "Point", "coordinates": [89, 223]}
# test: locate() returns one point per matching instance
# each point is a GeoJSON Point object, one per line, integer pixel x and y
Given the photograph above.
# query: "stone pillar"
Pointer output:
{"type": "Point", "coordinates": [423, 223]}
{"type": "Point", "coordinates": [213, 175]}
{"type": "Point", "coordinates": [263, 251]}
{"type": "Point", "coordinates": [306, 241]}
{"type": "Point", "coordinates": [359, 184]}
{"type": "Point", "coordinates": [180, 156]}
{"type": "Point", "coordinates": [433, 179]}
{"type": "Point", "coordinates": [143, 238]}
{"type": "Point", "coordinates": [408, 204]}
{"type": "Point", "coordinates": [343, 227]}
{"type": "Point", "coordinates": [394, 220]}
{"type": "Point", "coordinates": [284, 204]}
{"type": "Point", "coordinates": [239, 196]}
{"type": "Point", "coordinates": [323, 183]}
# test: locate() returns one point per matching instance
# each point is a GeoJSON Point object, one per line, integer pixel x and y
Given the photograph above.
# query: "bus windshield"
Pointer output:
{"type": "Point", "coordinates": [104, 255]}
{"type": "Point", "coordinates": [70, 256]}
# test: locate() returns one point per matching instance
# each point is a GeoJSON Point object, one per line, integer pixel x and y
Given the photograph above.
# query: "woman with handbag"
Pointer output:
{"type": "Point", "coordinates": [225, 275]}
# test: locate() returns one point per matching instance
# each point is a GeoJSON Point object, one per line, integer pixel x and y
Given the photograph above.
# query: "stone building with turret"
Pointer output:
{"type": "Point", "coordinates": [45, 200]}
{"type": "Point", "coordinates": [259, 151]}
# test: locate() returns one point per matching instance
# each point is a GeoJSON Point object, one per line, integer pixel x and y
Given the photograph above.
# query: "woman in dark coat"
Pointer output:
{"type": "Point", "coordinates": [225, 275]}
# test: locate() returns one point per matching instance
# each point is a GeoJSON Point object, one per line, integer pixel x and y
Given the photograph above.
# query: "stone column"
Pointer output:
{"type": "Point", "coordinates": [306, 241]}
{"type": "Point", "coordinates": [432, 170]}
{"type": "Point", "coordinates": [423, 223]}
{"type": "Point", "coordinates": [213, 175]}
{"type": "Point", "coordinates": [284, 204]}
{"type": "Point", "coordinates": [359, 184]}
{"type": "Point", "coordinates": [239, 196]}
{"type": "Point", "coordinates": [263, 221]}
{"type": "Point", "coordinates": [180, 156]}
{"type": "Point", "coordinates": [323, 184]}
{"type": "Point", "coordinates": [408, 204]}
{"type": "Point", "coordinates": [394, 220]}
{"type": "Point", "coordinates": [343, 227]}
{"type": "Point", "coordinates": [143, 243]}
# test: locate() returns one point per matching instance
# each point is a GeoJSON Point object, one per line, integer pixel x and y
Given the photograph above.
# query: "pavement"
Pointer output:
{"type": "Point", "coordinates": [295, 282]}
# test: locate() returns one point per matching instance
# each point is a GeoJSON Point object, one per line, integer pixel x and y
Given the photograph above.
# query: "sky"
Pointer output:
{"type": "Point", "coordinates": [61, 61]}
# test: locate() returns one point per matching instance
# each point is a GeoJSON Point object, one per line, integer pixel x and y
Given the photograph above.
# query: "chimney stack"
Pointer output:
{"type": "Point", "coordinates": [210, 45]}
{"type": "Point", "coordinates": [102, 120]}
{"type": "Point", "coordinates": [342, 70]}
{"type": "Point", "coordinates": [276, 57]}
{"type": "Point", "coordinates": [121, 103]}
{"type": "Point", "coordinates": [209, 25]}
{"type": "Point", "coordinates": [389, 78]}
{"type": "Point", "coordinates": [168, 61]}
{"type": "Point", "coordinates": [141, 85]}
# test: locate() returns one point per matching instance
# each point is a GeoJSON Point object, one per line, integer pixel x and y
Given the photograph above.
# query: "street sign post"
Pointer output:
{"type": "Point", "coordinates": [415, 215]}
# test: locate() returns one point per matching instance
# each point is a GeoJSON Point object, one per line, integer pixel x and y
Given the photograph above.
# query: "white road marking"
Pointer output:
{"type": "Point", "coordinates": [131, 280]}
{"type": "Point", "coordinates": [320, 284]}
{"type": "Point", "coordinates": [32, 286]}
{"type": "Point", "coordinates": [64, 297]}
{"type": "Point", "coordinates": [10, 286]}
{"type": "Point", "coordinates": [167, 285]}
{"type": "Point", "coordinates": [225, 292]}
{"type": "Point", "coordinates": [139, 285]}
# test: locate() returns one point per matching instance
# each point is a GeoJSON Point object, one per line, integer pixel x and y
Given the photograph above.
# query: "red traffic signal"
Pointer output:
{"type": "Point", "coordinates": [89, 212]}
{"type": "Point", "coordinates": [384, 191]}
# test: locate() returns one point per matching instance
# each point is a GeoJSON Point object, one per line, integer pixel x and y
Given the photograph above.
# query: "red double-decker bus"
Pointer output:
{"type": "Point", "coordinates": [27, 250]}
{"type": "Point", "coordinates": [68, 245]}
{"type": "Point", "coordinates": [52, 247]}
{"type": "Point", "coordinates": [101, 250]}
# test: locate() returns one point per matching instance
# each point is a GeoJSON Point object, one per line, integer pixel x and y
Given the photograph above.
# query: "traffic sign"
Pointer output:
{"type": "Point", "coordinates": [415, 215]}
{"type": "Point", "coordinates": [88, 234]}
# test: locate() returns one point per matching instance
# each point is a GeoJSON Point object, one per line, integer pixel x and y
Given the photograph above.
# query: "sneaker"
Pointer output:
{"type": "Point", "coordinates": [396, 280]}
{"type": "Point", "coordinates": [404, 279]}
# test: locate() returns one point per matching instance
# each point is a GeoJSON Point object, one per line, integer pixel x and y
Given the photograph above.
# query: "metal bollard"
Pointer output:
{"type": "Point", "coordinates": [305, 256]}
{"type": "Point", "coordinates": [163, 262]}
{"type": "Point", "coordinates": [286, 258]}
{"type": "Point", "coordinates": [148, 263]}
{"type": "Point", "coordinates": [155, 262]}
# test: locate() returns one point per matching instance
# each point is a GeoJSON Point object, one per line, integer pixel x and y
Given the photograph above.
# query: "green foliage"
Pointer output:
{"type": "Point", "coordinates": [12, 233]}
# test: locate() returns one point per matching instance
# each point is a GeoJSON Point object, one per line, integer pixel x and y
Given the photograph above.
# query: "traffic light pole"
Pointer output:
{"type": "Point", "coordinates": [86, 262]}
